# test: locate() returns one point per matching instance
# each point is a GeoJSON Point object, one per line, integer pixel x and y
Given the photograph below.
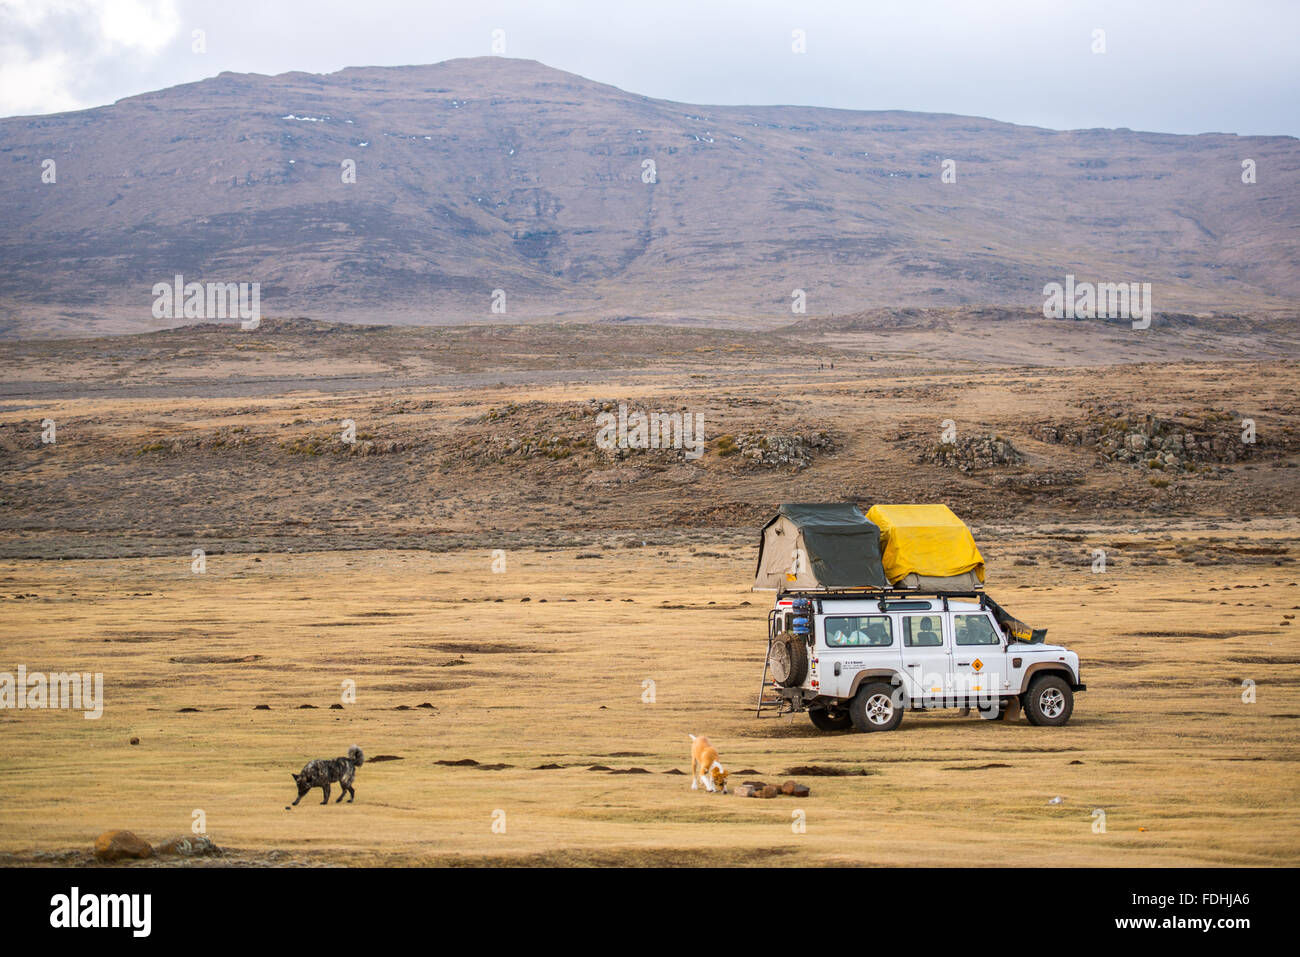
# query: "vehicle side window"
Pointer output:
{"type": "Point", "coordinates": [974, 630]}
{"type": "Point", "coordinates": [859, 631]}
{"type": "Point", "coordinates": [923, 631]}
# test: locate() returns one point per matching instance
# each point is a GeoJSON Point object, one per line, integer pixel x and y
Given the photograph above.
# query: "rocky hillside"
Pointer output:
{"type": "Point", "coordinates": [579, 199]}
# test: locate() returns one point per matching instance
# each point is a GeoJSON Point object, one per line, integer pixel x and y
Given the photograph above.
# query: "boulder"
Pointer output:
{"type": "Point", "coordinates": [197, 846]}
{"type": "Point", "coordinates": [120, 845]}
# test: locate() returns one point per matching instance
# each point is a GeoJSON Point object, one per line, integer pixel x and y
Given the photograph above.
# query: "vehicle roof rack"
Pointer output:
{"type": "Point", "coordinates": [887, 594]}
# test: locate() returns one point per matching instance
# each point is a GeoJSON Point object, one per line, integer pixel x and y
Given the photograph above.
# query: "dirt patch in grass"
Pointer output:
{"type": "Point", "coordinates": [485, 648]}
{"type": "Point", "coordinates": [822, 771]}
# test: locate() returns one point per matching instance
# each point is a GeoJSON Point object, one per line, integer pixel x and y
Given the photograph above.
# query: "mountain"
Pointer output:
{"type": "Point", "coordinates": [489, 173]}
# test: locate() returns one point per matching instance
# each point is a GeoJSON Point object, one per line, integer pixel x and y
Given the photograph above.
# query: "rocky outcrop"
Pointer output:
{"type": "Point", "coordinates": [1177, 444]}
{"type": "Point", "coordinates": [775, 450]}
{"type": "Point", "coordinates": [972, 454]}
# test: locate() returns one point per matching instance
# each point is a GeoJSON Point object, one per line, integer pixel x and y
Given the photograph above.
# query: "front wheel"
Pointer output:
{"type": "Point", "coordinates": [1049, 701]}
{"type": "Point", "coordinates": [830, 719]}
{"type": "Point", "coordinates": [874, 708]}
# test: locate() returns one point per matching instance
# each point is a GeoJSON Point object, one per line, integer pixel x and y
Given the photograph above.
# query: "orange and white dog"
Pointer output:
{"type": "Point", "coordinates": [706, 769]}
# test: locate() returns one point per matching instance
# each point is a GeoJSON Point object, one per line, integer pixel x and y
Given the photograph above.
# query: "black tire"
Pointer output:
{"type": "Point", "coordinates": [830, 719]}
{"type": "Point", "coordinates": [788, 661]}
{"type": "Point", "coordinates": [876, 707]}
{"type": "Point", "coordinates": [1049, 701]}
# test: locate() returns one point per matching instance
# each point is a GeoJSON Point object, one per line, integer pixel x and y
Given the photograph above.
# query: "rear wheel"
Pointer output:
{"type": "Point", "coordinates": [830, 719]}
{"type": "Point", "coordinates": [875, 708]}
{"type": "Point", "coordinates": [1049, 701]}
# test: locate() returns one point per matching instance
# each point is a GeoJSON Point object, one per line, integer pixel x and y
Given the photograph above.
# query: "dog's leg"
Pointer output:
{"type": "Point", "coordinates": [352, 793]}
{"type": "Point", "coordinates": [343, 792]}
{"type": "Point", "coordinates": [326, 788]}
{"type": "Point", "coordinates": [695, 781]}
{"type": "Point", "coordinates": [296, 800]}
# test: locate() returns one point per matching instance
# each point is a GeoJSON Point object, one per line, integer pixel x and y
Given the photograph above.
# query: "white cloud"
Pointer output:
{"type": "Point", "coordinates": [143, 26]}
{"type": "Point", "coordinates": [51, 51]}
{"type": "Point", "coordinates": [34, 85]}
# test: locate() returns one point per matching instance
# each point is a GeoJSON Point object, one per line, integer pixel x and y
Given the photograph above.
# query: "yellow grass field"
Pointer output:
{"type": "Point", "coordinates": [1185, 770]}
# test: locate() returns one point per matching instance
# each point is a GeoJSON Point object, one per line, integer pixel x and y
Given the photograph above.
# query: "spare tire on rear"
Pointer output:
{"type": "Point", "coordinates": [788, 660]}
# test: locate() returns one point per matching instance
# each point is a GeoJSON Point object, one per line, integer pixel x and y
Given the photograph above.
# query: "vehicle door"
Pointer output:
{"type": "Point", "coordinates": [927, 658]}
{"type": "Point", "coordinates": [979, 657]}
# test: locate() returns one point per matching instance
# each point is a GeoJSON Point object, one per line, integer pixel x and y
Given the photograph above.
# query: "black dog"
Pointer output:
{"type": "Point", "coordinates": [323, 772]}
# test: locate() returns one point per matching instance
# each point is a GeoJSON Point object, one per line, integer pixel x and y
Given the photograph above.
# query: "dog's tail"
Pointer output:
{"type": "Point", "coordinates": [355, 755]}
{"type": "Point", "coordinates": [692, 736]}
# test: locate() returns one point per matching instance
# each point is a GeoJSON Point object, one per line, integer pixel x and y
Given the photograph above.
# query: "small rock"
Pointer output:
{"type": "Point", "coordinates": [200, 846]}
{"type": "Point", "coordinates": [135, 740]}
{"type": "Point", "coordinates": [118, 845]}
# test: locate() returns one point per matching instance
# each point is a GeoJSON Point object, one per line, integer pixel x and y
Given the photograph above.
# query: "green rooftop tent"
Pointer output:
{"type": "Point", "coordinates": [828, 545]}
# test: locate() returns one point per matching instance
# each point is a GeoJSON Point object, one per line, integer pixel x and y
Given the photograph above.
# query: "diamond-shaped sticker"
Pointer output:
{"type": "Point", "coordinates": [977, 664]}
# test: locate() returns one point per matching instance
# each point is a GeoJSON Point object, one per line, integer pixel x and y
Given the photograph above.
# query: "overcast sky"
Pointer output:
{"type": "Point", "coordinates": [1178, 66]}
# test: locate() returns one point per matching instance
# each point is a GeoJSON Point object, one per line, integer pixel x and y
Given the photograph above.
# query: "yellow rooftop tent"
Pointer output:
{"type": "Point", "coordinates": [927, 547]}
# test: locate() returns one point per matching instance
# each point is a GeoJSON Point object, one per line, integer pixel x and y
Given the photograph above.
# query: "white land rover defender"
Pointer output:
{"type": "Point", "coordinates": [859, 660]}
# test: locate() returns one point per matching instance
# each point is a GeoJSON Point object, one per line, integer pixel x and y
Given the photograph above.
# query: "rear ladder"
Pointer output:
{"type": "Point", "coordinates": [769, 692]}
